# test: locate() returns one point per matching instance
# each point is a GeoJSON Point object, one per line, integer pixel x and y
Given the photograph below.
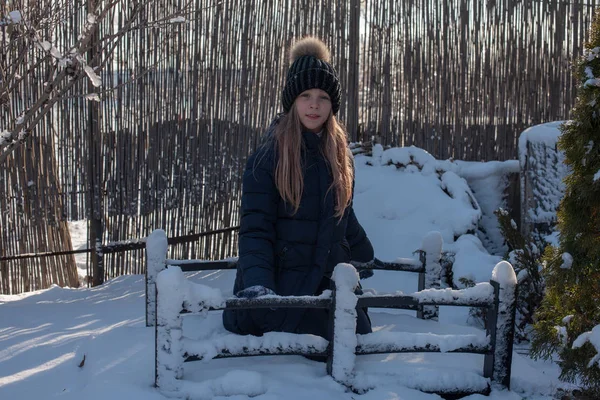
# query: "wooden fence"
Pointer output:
{"type": "Point", "coordinates": [462, 78]}
{"type": "Point", "coordinates": [166, 147]}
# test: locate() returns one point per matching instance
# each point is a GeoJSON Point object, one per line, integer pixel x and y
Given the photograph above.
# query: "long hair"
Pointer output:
{"type": "Point", "coordinates": [288, 171]}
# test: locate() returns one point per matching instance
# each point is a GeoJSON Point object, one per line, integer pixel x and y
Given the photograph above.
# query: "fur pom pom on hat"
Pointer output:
{"type": "Point", "coordinates": [311, 69]}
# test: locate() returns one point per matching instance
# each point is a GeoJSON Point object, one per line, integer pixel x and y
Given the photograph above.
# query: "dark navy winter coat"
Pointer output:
{"type": "Point", "coordinates": [292, 254]}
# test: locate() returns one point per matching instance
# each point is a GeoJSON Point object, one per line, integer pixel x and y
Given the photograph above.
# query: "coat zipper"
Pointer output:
{"type": "Point", "coordinates": [282, 254]}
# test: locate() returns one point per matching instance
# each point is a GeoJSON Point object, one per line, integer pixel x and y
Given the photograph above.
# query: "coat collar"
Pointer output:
{"type": "Point", "coordinates": [311, 140]}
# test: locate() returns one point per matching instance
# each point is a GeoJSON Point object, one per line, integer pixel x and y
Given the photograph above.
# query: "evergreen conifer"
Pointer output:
{"type": "Point", "coordinates": [571, 305]}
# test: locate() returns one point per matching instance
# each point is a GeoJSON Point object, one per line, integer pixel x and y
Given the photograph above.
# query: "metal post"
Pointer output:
{"type": "Point", "coordinates": [331, 331]}
{"type": "Point", "coordinates": [168, 364]}
{"type": "Point", "coordinates": [504, 282]}
{"type": "Point", "coordinates": [490, 330]}
{"type": "Point", "coordinates": [95, 175]}
{"type": "Point", "coordinates": [156, 255]}
{"type": "Point", "coordinates": [421, 283]}
{"type": "Point", "coordinates": [343, 341]}
{"type": "Point", "coordinates": [432, 246]}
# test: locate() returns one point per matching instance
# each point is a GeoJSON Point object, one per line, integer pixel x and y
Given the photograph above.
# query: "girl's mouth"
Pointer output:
{"type": "Point", "coordinates": [313, 116]}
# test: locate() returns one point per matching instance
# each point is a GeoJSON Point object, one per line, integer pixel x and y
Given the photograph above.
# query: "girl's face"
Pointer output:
{"type": "Point", "coordinates": [313, 107]}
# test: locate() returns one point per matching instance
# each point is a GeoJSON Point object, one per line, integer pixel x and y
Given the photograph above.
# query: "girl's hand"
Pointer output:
{"type": "Point", "coordinates": [254, 291]}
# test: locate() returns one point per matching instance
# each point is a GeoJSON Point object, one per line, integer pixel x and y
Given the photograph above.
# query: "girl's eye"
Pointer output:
{"type": "Point", "coordinates": [324, 98]}
{"type": "Point", "coordinates": [305, 95]}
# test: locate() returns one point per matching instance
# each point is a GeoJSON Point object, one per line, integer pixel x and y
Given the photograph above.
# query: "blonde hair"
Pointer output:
{"type": "Point", "coordinates": [288, 171]}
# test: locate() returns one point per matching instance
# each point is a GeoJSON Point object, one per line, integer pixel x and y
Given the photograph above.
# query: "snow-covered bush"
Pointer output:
{"type": "Point", "coordinates": [542, 180]}
{"type": "Point", "coordinates": [408, 188]}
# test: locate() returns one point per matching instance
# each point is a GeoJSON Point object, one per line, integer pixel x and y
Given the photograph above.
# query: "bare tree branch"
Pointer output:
{"type": "Point", "coordinates": [29, 57]}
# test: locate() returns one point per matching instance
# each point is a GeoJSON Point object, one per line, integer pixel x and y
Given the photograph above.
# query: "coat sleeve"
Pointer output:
{"type": "Point", "coordinates": [257, 226]}
{"type": "Point", "coordinates": [360, 245]}
{"type": "Point", "coordinates": [361, 248]}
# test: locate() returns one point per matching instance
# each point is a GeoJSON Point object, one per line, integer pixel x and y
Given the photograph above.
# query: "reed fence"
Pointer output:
{"type": "Point", "coordinates": [166, 146]}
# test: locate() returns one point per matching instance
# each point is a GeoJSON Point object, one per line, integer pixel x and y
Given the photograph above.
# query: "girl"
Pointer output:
{"type": "Point", "coordinates": [297, 219]}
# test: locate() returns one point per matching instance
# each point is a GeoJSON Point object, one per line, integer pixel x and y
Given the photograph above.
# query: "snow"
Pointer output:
{"type": "Point", "coordinates": [344, 343]}
{"type": "Point", "coordinates": [410, 203]}
{"type": "Point", "coordinates": [567, 261]}
{"type": "Point", "coordinates": [209, 348]}
{"type": "Point", "coordinates": [592, 53]}
{"type": "Point", "coordinates": [561, 334]}
{"type": "Point", "coordinates": [567, 319]}
{"type": "Point", "coordinates": [481, 292]}
{"type": "Point", "coordinates": [405, 340]}
{"type": "Point", "coordinates": [156, 253]}
{"type": "Point", "coordinates": [479, 170]}
{"type": "Point", "coordinates": [345, 277]}
{"type": "Point", "coordinates": [424, 379]}
{"type": "Point", "coordinates": [92, 97]}
{"type": "Point", "coordinates": [13, 17]}
{"type": "Point", "coordinates": [96, 80]}
{"type": "Point", "coordinates": [597, 176]}
{"type": "Point", "coordinates": [506, 279]}
{"type": "Point", "coordinates": [472, 261]}
{"type": "Point", "coordinates": [593, 337]}
{"type": "Point", "coordinates": [45, 335]}
{"type": "Point", "coordinates": [490, 182]}
{"type": "Point", "coordinates": [504, 274]}
{"type": "Point", "coordinates": [542, 183]}
{"type": "Point", "coordinates": [156, 249]}
{"type": "Point", "coordinates": [5, 137]}
{"type": "Point", "coordinates": [169, 285]}
{"type": "Point", "coordinates": [233, 383]}
{"type": "Point", "coordinates": [546, 133]}
{"type": "Point", "coordinates": [591, 79]}
{"type": "Point", "coordinates": [432, 245]}
{"type": "Point", "coordinates": [592, 82]}
{"type": "Point", "coordinates": [195, 296]}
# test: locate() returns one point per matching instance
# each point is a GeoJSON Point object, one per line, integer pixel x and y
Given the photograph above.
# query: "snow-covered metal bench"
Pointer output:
{"type": "Point", "coordinates": [175, 296]}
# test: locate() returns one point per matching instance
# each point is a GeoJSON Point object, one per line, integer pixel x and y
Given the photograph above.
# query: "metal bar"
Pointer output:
{"type": "Point", "coordinates": [389, 266]}
{"type": "Point", "coordinates": [47, 254]}
{"type": "Point", "coordinates": [430, 348]}
{"type": "Point", "coordinates": [249, 353]}
{"type": "Point", "coordinates": [421, 284]}
{"type": "Point", "coordinates": [270, 302]}
{"type": "Point", "coordinates": [391, 301]}
{"type": "Point", "coordinates": [490, 329]}
{"type": "Point", "coordinates": [201, 265]}
{"type": "Point", "coordinates": [155, 322]}
{"type": "Point", "coordinates": [459, 394]}
{"type": "Point", "coordinates": [197, 265]}
{"type": "Point", "coordinates": [116, 247]}
{"type": "Point", "coordinates": [196, 236]}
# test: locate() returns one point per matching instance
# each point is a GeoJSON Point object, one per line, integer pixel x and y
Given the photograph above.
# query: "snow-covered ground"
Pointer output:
{"type": "Point", "coordinates": [93, 344]}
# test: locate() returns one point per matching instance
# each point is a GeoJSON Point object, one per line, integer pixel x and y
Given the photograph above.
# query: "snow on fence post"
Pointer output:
{"type": "Point", "coordinates": [169, 358]}
{"type": "Point", "coordinates": [500, 324]}
{"type": "Point", "coordinates": [341, 357]}
{"type": "Point", "coordinates": [432, 247]}
{"type": "Point", "coordinates": [156, 255]}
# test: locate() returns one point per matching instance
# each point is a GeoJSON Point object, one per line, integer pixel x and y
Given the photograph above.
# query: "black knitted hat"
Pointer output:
{"type": "Point", "coordinates": [311, 69]}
